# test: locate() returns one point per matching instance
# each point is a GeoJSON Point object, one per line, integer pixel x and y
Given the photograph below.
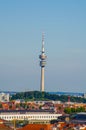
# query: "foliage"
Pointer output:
{"type": "Point", "coordinates": [0, 105]}
{"type": "Point", "coordinates": [36, 95]}
{"type": "Point", "coordinates": [69, 110]}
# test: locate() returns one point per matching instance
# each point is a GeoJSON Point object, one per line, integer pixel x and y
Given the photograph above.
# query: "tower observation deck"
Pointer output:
{"type": "Point", "coordinates": [42, 64]}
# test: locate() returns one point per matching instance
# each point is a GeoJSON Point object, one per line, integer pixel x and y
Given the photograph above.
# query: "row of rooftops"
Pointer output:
{"type": "Point", "coordinates": [26, 111]}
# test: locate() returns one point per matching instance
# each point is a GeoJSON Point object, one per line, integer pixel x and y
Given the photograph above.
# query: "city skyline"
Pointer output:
{"type": "Point", "coordinates": [21, 26]}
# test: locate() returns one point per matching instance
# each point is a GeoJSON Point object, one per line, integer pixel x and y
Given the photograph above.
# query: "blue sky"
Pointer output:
{"type": "Point", "coordinates": [21, 25]}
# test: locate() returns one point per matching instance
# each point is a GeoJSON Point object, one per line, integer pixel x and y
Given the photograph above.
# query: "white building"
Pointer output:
{"type": "Point", "coordinates": [84, 95]}
{"type": "Point", "coordinates": [4, 97]}
{"type": "Point", "coordinates": [30, 115]}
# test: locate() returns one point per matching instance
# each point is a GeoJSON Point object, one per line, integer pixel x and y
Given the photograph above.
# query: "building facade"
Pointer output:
{"type": "Point", "coordinates": [4, 97]}
{"type": "Point", "coordinates": [30, 115]}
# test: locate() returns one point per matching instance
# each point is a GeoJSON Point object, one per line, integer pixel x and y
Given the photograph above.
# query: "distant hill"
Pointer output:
{"type": "Point", "coordinates": [36, 95]}
{"type": "Point", "coordinates": [56, 93]}
{"type": "Point", "coordinates": [68, 93]}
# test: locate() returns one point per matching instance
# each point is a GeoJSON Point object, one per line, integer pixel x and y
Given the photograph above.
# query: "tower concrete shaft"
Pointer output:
{"type": "Point", "coordinates": [42, 80]}
{"type": "Point", "coordinates": [42, 64]}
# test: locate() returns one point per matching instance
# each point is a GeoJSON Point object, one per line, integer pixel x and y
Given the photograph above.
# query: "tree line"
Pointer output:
{"type": "Point", "coordinates": [36, 95]}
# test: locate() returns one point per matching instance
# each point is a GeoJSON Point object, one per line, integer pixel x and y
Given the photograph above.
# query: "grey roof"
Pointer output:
{"type": "Point", "coordinates": [26, 111]}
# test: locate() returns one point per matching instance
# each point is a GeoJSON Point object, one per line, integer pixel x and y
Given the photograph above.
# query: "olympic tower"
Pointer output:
{"type": "Point", "coordinates": [42, 64]}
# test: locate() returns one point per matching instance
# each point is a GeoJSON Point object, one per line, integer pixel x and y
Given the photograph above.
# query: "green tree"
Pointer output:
{"type": "Point", "coordinates": [0, 105]}
{"type": "Point", "coordinates": [73, 110]}
{"type": "Point", "coordinates": [80, 109]}
{"type": "Point", "coordinates": [67, 110]}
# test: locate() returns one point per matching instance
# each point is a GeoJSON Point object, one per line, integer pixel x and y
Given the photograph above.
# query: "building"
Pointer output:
{"type": "Point", "coordinates": [4, 97]}
{"type": "Point", "coordinates": [30, 115]}
{"type": "Point", "coordinates": [37, 127]}
{"type": "Point", "coordinates": [84, 95]}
